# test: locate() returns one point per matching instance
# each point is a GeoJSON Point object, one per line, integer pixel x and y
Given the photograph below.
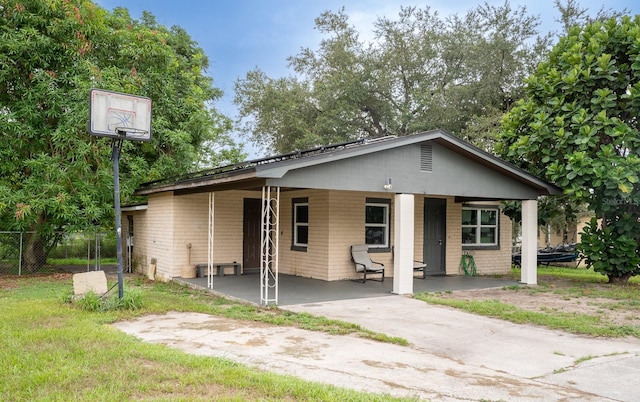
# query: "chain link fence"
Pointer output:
{"type": "Point", "coordinates": [25, 253]}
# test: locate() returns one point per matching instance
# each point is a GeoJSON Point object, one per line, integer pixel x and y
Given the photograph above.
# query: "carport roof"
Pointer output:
{"type": "Point", "coordinates": [254, 173]}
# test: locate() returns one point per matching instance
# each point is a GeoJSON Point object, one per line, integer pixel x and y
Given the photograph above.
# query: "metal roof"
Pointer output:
{"type": "Point", "coordinates": [253, 173]}
{"type": "Point", "coordinates": [243, 167]}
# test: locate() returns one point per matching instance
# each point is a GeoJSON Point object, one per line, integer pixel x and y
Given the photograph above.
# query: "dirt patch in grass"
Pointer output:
{"type": "Point", "coordinates": [612, 303]}
{"type": "Point", "coordinates": [9, 282]}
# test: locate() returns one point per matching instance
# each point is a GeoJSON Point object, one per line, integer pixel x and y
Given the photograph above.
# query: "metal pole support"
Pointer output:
{"type": "Point", "coordinates": [115, 156]}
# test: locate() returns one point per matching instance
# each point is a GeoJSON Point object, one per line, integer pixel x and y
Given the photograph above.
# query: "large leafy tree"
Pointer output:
{"type": "Point", "coordinates": [579, 128]}
{"type": "Point", "coordinates": [421, 71]}
{"type": "Point", "coordinates": [53, 175]}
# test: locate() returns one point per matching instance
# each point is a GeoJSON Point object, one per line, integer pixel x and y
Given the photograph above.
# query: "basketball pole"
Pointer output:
{"type": "Point", "coordinates": [119, 116]}
{"type": "Point", "coordinates": [116, 145]}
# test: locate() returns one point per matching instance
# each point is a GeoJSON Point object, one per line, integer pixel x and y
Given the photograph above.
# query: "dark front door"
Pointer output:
{"type": "Point", "coordinates": [252, 227]}
{"type": "Point", "coordinates": [435, 213]}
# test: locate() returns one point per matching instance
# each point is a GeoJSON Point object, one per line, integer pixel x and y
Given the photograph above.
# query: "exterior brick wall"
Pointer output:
{"type": "Point", "coordinates": [453, 253]}
{"type": "Point", "coordinates": [336, 221]}
{"type": "Point", "coordinates": [347, 226]}
{"type": "Point", "coordinates": [228, 225]}
{"type": "Point", "coordinates": [158, 242]}
{"type": "Point", "coordinates": [227, 230]}
{"type": "Point", "coordinates": [183, 220]}
{"type": "Point", "coordinates": [490, 262]}
{"type": "Point", "coordinates": [191, 222]}
{"type": "Point", "coordinates": [311, 263]}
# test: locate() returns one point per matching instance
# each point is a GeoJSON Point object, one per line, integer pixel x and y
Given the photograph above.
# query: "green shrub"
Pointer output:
{"type": "Point", "coordinates": [613, 250]}
{"type": "Point", "coordinates": [131, 300]}
{"type": "Point", "coordinates": [90, 301]}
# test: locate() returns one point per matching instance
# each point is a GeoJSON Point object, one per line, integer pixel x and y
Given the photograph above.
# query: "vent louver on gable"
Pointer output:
{"type": "Point", "coordinates": [426, 158]}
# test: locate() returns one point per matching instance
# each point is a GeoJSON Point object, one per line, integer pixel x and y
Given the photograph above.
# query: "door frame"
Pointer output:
{"type": "Point", "coordinates": [438, 264]}
{"type": "Point", "coordinates": [247, 241]}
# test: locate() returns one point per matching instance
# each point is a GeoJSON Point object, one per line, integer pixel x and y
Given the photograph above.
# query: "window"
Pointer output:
{"type": "Point", "coordinates": [479, 226]}
{"type": "Point", "coordinates": [130, 223]}
{"type": "Point", "coordinates": [130, 231]}
{"type": "Point", "coordinates": [300, 224]}
{"type": "Point", "coordinates": [377, 223]}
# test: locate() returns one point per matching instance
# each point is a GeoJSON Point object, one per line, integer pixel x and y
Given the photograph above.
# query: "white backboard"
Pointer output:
{"type": "Point", "coordinates": [118, 115]}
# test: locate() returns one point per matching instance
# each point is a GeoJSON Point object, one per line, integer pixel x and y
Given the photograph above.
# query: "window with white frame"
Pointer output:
{"type": "Point", "coordinates": [300, 223]}
{"type": "Point", "coordinates": [480, 226]}
{"type": "Point", "coordinates": [376, 224]}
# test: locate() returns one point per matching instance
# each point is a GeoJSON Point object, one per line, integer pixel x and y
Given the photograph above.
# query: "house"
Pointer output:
{"type": "Point", "coordinates": [429, 197]}
{"type": "Point", "coordinates": [550, 236]}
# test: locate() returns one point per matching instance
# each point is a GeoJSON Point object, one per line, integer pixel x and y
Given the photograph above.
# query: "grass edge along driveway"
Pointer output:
{"type": "Point", "coordinates": [51, 350]}
{"type": "Point", "coordinates": [584, 286]}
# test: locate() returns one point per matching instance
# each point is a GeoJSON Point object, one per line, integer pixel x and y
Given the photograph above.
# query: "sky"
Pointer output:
{"type": "Point", "coordinates": [239, 35]}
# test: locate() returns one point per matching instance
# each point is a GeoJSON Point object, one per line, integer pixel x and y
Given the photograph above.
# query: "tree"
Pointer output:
{"type": "Point", "coordinates": [420, 72]}
{"type": "Point", "coordinates": [578, 127]}
{"type": "Point", "coordinates": [571, 14]}
{"type": "Point", "coordinates": [55, 176]}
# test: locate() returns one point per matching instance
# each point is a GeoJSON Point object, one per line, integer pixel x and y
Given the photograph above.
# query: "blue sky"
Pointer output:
{"type": "Point", "coordinates": [239, 35]}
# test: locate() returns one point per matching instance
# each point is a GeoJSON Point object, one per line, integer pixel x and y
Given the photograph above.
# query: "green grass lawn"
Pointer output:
{"type": "Point", "coordinates": [82, 262]}
{"type": "Point", "coordinates": [51, 350]}
{"type": "Point", "coordinates": [567, 283]}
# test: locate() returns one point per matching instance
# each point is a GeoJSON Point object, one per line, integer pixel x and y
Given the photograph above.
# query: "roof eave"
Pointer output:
{"type": "Point", "coordinates": [240, 180]}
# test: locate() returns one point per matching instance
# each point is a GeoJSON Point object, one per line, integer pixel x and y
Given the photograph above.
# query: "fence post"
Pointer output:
{"type": "Point", "coordinates": [20, 256]}
{"type": "Point", "coordinates": [97, 253]}
{"type": "Point", "coordinates": [88, 253]}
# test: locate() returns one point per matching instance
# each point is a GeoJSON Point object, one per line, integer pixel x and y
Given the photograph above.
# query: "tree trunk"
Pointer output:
{"type": "Point", "coordinates": [619, 279]}
{"type": "Point", "coordinates": [33, 255]}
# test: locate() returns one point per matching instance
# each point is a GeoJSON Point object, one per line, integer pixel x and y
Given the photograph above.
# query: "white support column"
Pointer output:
{"type": "Point", "coordinates": [269, 245]}
{"type": "Point", "coordinates": [403, 244]}
{"type": "Point", "coordinates": [529, 252]}
{"type": "Point", "coordinates": [210, 242]}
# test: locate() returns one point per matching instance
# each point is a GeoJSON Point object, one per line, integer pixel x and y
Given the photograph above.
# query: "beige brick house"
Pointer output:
{"type": "Point", "coordinates": [429, 197]}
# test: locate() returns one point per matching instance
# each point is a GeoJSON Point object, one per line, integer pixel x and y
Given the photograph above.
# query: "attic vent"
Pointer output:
{"type": "Point", "coordinates": [426, 158]}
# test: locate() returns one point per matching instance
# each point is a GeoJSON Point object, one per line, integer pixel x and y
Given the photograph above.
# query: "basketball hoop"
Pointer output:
{"type": "Point", "coordinates": [120, 117]}
{"type": "Point", "coordinates": [131, 133]}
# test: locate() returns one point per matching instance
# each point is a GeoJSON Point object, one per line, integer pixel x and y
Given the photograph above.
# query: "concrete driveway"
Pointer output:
{"type": "Point", "coordinates": [452, 355]}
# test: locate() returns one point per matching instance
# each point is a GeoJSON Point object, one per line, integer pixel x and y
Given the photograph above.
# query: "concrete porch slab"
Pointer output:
{"type": "Point", "coordinates": [298, 290]}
